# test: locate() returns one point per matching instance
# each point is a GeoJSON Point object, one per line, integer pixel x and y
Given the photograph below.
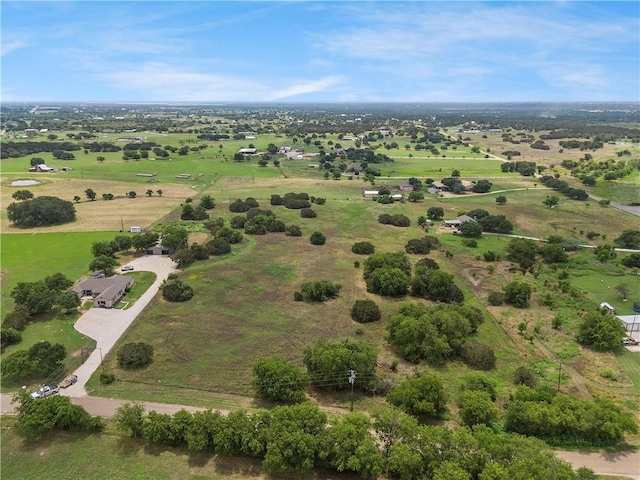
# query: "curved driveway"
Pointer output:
{"type": "Point", "coordinates": [106, 325]}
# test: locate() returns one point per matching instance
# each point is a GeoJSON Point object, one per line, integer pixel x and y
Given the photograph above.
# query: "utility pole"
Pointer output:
{"type": "Point", "coordinates": [352, 380]}
{"type": "Point", "coordinates": [559, 373]}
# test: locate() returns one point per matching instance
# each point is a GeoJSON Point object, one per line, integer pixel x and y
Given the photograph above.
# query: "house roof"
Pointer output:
{"type": "Point", "coordinates": [629, 319]}
{"type": "Point", "coordinates": [103, 287]}
{"type": "Point", "coordinates": [465, 218]}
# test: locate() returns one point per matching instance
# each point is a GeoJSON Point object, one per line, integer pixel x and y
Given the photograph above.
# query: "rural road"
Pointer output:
{"type": "Point", "coordinates": [624, 464]}
{"type": "Point", "coordinates": [107, 325]}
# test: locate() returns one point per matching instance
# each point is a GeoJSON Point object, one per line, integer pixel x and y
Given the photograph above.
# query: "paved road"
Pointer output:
{"type": "Point", "coordinates": [107, 325]}
{"type": "Point", "coordinates": [106, 407]}
{"type": "Point", "coordinates": [625, 464]}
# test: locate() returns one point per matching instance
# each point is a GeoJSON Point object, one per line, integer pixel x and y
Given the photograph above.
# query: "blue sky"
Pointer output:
{"type": "Point", "coordinates": [306, 51]}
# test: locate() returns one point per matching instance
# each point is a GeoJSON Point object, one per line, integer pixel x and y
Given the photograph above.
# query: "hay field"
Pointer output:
{"type": "Point", "coordinates": [99, 215]}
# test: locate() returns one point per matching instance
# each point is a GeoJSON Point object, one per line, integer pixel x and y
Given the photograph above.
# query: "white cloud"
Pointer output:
{"type": "Point", "coordinates": [160, 81]}
{"type": "Point", "coordinates": [303, 87]}
{"type": "Point", "coordinates": [11, 46]}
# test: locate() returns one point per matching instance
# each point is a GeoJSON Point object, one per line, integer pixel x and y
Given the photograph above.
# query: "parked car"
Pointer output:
{"type": "Point", "coordinates": [70, 380]}
{"type": "Point", "coordinates": [127, 268]}
{"type": "Point", "coordinates": [45, 391]}
{"type": "Point", "coordinates": [629, 341]}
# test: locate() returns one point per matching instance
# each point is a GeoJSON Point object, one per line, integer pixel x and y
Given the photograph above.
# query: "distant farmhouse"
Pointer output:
{"type": "Point", "coordinates": [458, 221]}
{"type": "Point", "coordinates": [42, 168]}
{"type": "Point", "coordinates": [105, 291]}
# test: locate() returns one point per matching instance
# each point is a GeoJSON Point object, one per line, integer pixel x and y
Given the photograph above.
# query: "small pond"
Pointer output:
{"type": "Point", "coordinates": [24, 183]}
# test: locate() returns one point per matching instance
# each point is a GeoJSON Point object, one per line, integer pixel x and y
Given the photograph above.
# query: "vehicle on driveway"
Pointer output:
{"type": "Point", "coordinates": [70, 380]}
{"type": "Point", "coordinates": [45, 391]}
{"type": "Point", "coordinates": [127, 268]}
{"type": "Point", "coordinates": [629, 341]}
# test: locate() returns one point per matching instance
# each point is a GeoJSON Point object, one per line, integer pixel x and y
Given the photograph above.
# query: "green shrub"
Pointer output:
{"type": "Point", "coordinates": [177, 291]}
{"type": "Point", "coordinates": [363, 248]}
{"type": "Point", "coordinates": [319, 291]}
{"type": "Point", "coordinates": [496, 298]}
{"type": "Point", "coordinates": [318, 238]}
{"type": "Point", "coordinates": [365, 311]}
{"type": "Point", "coordinates": [478, 355]}
{"type": "Point", "coordinates": [135, 355]}
{"type": "Point", "coordinates": [293, 231]}
{"type": "Point", "coordinates": [9, 336]}
{"type": "Point", "coordinates": [308, 213]}
{"type": "Point", "coordinates": [107, 378]}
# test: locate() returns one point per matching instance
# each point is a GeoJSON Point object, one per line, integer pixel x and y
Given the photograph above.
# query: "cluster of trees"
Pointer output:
{"type": "Point", "coordinates": [564, 188]}
{"type": "Point", "coordinates": [582, 145]}
{"type": "Point", "coordinates": [296, 439]}
{"type": "Point", "coordinates": [561, 419]}
{"type": "Point", "coordinates": [490, 223]}
{"type": "Point", "coordinates": [526, 169]}
{"type": "Point", "coordinates": [296, 201]}
{"type": "Point", "coordinates": [104, 253]}
{"type": "Point", "coordinates": [39, 297]}
{"type": "Point", "coordinates": [189, 212]}
{"type": "Point", "coordinates": [422, 246]}
{"type": "Point", "coordinates": [434, 334]}
{"type": "Point", "coordinates": [42, 359]}
{"type": "Point", "coordinates": [389, 274]}
{"type": "Point", "coordinates": [41, 212]}
{"type": "Point", "coordinates": [36, 418]}
{"type": "Point", "coordinates": [12, 149]}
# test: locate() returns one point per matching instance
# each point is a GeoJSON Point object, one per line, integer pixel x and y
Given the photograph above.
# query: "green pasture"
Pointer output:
{"type": "Point", "coordinates": [599, 286]}
{"type": "Point", "coordinates": [216, 160]}
{"type": "Point", "coordinates": [621, 192]}
{"type": "Point", "coordinates": [27, 257]}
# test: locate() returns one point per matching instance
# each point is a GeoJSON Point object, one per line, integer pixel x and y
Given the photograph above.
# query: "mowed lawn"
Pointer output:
{"type": "Point", "coordinates": [27, 257]}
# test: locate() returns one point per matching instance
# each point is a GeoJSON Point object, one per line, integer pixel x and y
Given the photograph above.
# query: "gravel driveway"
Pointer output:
{"type": "Point", "coordinates": [107, 325]}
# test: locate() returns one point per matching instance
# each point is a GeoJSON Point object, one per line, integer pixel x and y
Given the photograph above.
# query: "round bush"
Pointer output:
{"type": "Point", "coordinates": [308, 213]}
{"type": "Point", "coordinates": [478, 355]}
{"type": "Point", "coordinates": [363, 248]}
{"type": "Point", "coordinates": [107, 378]}
{"type": "Point", "coordinates": [177, 291]}
{"type": "Point", "coordinates": [135, 355]}
{"type": "Point", "coordinates": [365, 311]}
{"type": "Point", "coordinates": [219, 246]}
{"type": "Point", "coordinates": [317, 238]}
{"type": "Point", "coordinates": [496, 298]}
{"type": "Point", "coordinates": [293, 231]}
{"type": "Point", "coordinates": [525, 376]}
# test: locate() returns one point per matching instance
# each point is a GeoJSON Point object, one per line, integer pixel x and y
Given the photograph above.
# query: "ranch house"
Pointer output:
{"type": "Point", "coordinates": [106, 291]}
